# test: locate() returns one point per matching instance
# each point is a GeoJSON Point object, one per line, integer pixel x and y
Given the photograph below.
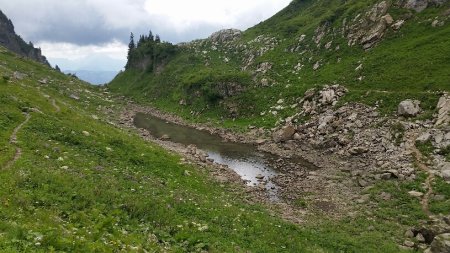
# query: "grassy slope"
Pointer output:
{"type": "Point", "coordinates": [111, 191]}
{"type": "Point", "coordinates": [406, 64]}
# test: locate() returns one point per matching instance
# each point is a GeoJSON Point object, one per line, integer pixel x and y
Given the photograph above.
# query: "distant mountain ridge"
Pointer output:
{"type": "Point", "coordinates": [97, 77]}
{"type": "Point", "coordinates": [13, 42]}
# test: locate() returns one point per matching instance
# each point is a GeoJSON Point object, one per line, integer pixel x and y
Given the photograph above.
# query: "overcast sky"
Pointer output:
{"type": "Point", "coordinates": [93, 34]}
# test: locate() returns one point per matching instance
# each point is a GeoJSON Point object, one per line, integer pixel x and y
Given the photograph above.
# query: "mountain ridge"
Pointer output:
{"type": "Point", "coordinates": [13, 42]}
{"type": "Point", "coordinates": [308, 44]}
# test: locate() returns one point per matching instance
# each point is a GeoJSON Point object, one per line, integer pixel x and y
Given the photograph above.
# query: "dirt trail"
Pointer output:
{"type": "Point", "coordinates": [419, 158]}
{"type": "Point", "coordinates": [13, 141]}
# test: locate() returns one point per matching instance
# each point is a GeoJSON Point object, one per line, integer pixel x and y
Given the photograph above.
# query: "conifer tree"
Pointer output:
{"type": "Point", "coordinates": [150, 36]}
{"type": "Point", "coordinates": [132, 45]}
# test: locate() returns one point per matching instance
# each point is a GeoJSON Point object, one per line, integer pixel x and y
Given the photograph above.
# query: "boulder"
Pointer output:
{"type": "Point", "coordinates": [73, 96]}
{"type": "Point", "coordinates": [397, 25]}
{"type": "Point", "coordinates": [316, 66]}
{"type": "Point", "coordinates": [165, 137]}
{"type": "Point", "coordinates": [441, 243]}
{"type": "Point", "coordinates": [43, 81]}
{"type": "Point", "coordinates": [328, 96]}
{"type": "Point", "coordinates": [358, 150]}
{"type": "Point", "coordinates": [417, 5]}
{"type": "Point", "coordinates": [424, 138]}
{"type": "Point", "coordinates": [284, 134]}
{"type": "Point", "coordinates": [388, 18]}
{"type": "Point", "coordinates": [415, 194]}
{"type": "Point", "coordinates": [446, 174]}
{"type": "Point", "coordinates": [19, 76]}
{"type": "Point", "coordinates": [409, 108]}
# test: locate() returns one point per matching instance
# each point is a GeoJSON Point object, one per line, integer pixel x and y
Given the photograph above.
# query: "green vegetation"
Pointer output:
{"type": "Point", "coordinates": [83, 185]}
{"type": "Point", "coordinates": [409, 63]}
{"type": "Point", "coordinates": [426, 148]}
{"type": "Point", "coordinates": [440, 203]}
{"type": "Point", "coordinates": [400, 206]}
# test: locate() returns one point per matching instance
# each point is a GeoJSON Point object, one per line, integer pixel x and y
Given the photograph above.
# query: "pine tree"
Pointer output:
{"type": "Point", "coordinates": [131, 48]}
{"type": "Point", "coordinates": [157, 39]}
{"type": "Point", "coordinates": [132, 45]}
{"type": "Point", "coordinates": [150, 36]}
{"type": "Point", "coordinates": [57, 68]}
{"type": "Point", "coordinates": [141, 40]}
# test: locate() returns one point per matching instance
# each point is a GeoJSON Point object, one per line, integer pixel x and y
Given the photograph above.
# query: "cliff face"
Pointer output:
{"type": "Point", "coordinates": [13, 42]}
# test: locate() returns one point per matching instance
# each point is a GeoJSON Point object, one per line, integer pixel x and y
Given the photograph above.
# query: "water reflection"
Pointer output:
{"type": "Point", "coordinates": [249, 163]}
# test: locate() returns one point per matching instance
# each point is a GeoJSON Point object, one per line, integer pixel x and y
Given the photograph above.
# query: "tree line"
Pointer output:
{"type": "Point", "coordinates": [149, 52]}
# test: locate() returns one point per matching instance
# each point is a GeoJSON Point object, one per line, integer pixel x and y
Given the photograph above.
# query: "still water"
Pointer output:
{"type": "Point", "coordinates": [249, 163]}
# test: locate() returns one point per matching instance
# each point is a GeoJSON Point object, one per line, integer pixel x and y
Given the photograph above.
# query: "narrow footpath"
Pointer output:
{"type": "Point", "coordinates": [13, 141]}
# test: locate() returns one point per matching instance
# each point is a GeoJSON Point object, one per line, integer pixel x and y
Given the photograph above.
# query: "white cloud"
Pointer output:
{"type": "Point", "coordinates": [183, 15]}
{"type": "Point", "coordinates": [70, 51]}
{"type": "Point", "coordinates": [79, 29]}
{"type": "Point", "coordinates": [109, 56]}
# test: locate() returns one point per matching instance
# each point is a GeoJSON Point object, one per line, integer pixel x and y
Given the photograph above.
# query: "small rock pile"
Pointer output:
{"type": "Point", "coordinates": [433, 237]}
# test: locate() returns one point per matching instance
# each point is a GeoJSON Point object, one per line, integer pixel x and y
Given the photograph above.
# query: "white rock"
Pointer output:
{"type": "Point", "coordinates": [409, 108]}
{"type": "Point", "coordinates": [438, 138]}
{"type": "Point", "coordinates": [415, 194]}
{"type": "Point", "coordinates": [443, 108]}
{"type": "Point", "coordinates": [397, 25]}
{"type": "Point", "coordinates": [424, 137]}
{"type": "Point", "coordinates": [353, 116]}
{"type": "Point", "coordinates": [316, 66]}
{"type": "Point", "coordinates": [328, 96]}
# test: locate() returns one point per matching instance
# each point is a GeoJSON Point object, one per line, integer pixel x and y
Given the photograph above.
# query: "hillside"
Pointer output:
{"type": "Point", "coordinates": [13, 42]}
{"type": "Point", "coordinates": [381, 51]}
{"type": "Point", "coordinates": [363, 99]}
{"type": "Point", "coordinates": [75, 181]}
{"type": "Point", "coordinates": [360, 89]}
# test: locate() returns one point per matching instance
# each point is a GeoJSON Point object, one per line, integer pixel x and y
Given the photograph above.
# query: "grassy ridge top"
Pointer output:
{"type": "Point", "coordinates": [308, 44]}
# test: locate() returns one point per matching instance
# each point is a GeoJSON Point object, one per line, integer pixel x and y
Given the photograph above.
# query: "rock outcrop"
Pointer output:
{"type": "Point", "coordinates": [420, 5]}
{"type": "Point", "coordinates": [225, 35]}
{"type": "Point", "coordinates": [10, 40]}
{"type": "Point", "coordinates": [443, 108]}
{"type": "Point", "coordinates": [370, 28]}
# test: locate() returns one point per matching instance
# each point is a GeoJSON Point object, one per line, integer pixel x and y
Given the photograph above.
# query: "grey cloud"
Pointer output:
{"type": "Point", "coordinates": [76, 22]}
{"type": "Point", "coordinates": [84, 22]}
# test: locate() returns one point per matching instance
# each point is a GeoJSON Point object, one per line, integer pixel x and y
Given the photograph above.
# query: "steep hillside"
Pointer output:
{"type": "Point", "coordinates": [74, 181]}
{"type": "Point", "coordinates": [13, 42]}
{"type": "Point", "coordinates": [381, 51]}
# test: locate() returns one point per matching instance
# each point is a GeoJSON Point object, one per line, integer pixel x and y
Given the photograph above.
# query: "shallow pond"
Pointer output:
{"type": "Point", "coordinates": [249, 163]}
